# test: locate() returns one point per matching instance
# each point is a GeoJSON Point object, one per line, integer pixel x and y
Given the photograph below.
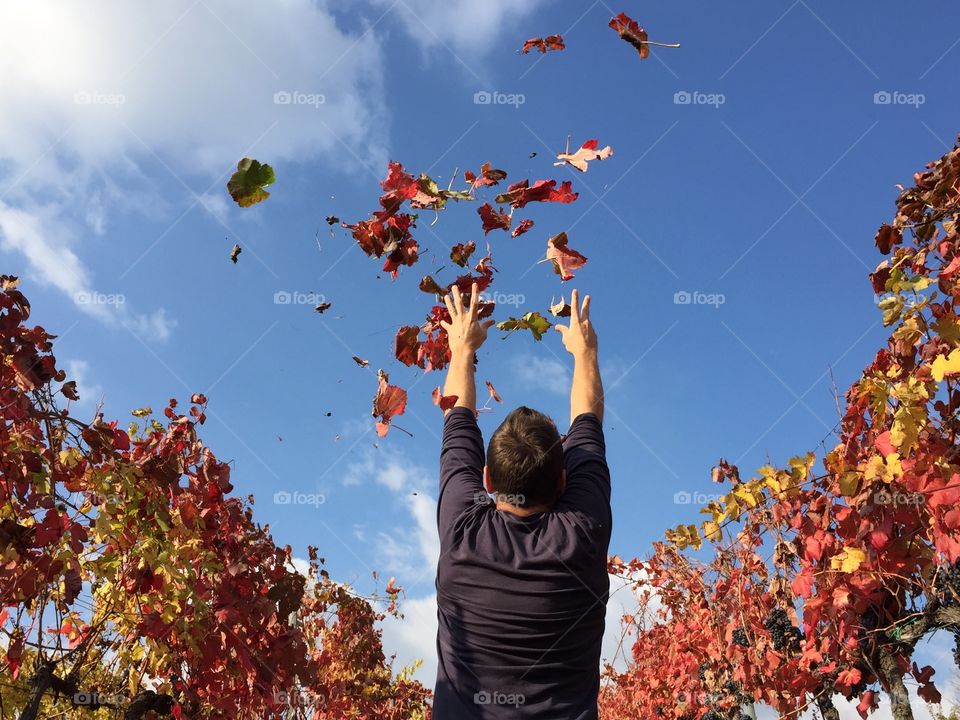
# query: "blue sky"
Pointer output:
{"type": "Point", "coordinates": [763, 192]}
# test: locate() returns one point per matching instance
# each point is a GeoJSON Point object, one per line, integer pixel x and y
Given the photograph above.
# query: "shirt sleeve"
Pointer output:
{"type": "Point", "coordinates": [588, 477]}
{"type": "Point", "coordinates": [461, 468]}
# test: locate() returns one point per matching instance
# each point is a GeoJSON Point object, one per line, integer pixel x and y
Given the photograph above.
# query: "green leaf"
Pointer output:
{"type": "Point", "coordinates": [247, 183]}
{"type": "Point", "coordinates": [532, 321]}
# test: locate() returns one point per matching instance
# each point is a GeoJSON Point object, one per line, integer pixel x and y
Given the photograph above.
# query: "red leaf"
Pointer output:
{"type": "Point", "coordinates": [492, 219]}
{"type": "Point", "coordinates": [521, 193]}
{"type": "Point", "coordinates": [543, 44]}
{"type": "Point", "coordinates": [389, 402]}
{"type": "Point", "coordinates": [631, 32]}
{"type": "Point", "coordinates": [493, 393]}
{"type": "Point", "coordinates": [867, 703]}
{"type": "Point", "coordinates": [407, 345]}
{"type": "Point", "coordinates": [522, 227]}
{"type": "Point", "coordinates": [565, 259]}
{"type": "Point", "coordinates": [445, 402]}
{"type": "Point", "coordinates": [488, 176]}
{"type": "Point", "coordinates": [460, 253]}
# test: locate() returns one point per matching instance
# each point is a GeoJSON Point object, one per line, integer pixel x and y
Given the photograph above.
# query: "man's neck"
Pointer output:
{"type": "Point", "coordinates": [521, 511]}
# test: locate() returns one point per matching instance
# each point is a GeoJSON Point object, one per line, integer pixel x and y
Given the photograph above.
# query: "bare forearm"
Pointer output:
{"type": "Point", "coordinates": [586, 394]}
{"type": "Point", "coordinates": [461, 381]}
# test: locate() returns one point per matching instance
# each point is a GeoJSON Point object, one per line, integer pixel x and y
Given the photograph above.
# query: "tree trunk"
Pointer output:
{"type": "Point", "coordinates": [828, 711]}
{"type": "Point", "coordinates": [897, 692]}
{"type": "Point", "coordinates": [39, 684]}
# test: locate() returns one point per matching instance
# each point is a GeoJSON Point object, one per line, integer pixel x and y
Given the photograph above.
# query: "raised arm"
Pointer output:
{"type": "Point", "coordinates": [465, 335]}
{"type": "Point", "coordinates": [580, 340]}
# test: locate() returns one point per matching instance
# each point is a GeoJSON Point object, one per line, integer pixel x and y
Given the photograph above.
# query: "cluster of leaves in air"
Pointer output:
{"type": "Point", "coordinates": [823, 584]}
{"type": "Point", "coordinates": [388, 234]}
{"type": "Point", "coordinates": [628, 29]}
{"type": "Point", "coordinates": [129, 574]}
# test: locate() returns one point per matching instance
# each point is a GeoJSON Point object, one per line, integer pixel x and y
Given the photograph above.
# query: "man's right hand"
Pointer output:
{"type": "Point", "coordinates": [579, 337]}
{"type": "Point", "coordinates": [586, 393]}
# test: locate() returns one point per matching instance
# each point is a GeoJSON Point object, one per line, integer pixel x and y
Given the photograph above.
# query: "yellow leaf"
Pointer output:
{"type": "Point", "coordinates": [849, 482]}
{"type": "Point", "coordinates": [711, 531]}
{"type": "Point", "coordinates": [945, 365]}
{"type": "Point", "coordinates": [849, 560]}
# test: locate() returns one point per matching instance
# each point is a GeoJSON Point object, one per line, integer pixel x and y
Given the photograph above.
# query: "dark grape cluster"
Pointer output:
{"type": "Point", "coordinates": [782, 631]}
{"type": "Point", "coordinates": [702, 671]}
{"type": "Point", "coordinates": [712, 715]}
{"type": "Point", "coordinates": [946, 586]}
{"type": "Point", "coordinates": [956, 648]}
{"type": "Point", "coordinates": [740, 637]}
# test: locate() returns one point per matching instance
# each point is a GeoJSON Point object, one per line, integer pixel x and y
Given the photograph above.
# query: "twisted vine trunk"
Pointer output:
{"type": "Point", "coordinates": [896, 690]}
{"type": "Point", "coordinates": [828, 711]}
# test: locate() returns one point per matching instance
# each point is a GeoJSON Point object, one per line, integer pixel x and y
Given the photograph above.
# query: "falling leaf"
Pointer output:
{"type": "Point", "coordinates": [521, 193]}
{"type": "Point", "coordinates": [565, 259]}
{"type": "Point", "coordinates": [332, 219]}
{"type": "Point", "coordinates": [493, 393]}
{"type": "Point", "coordinates": [522, 227]}
{"type": "Point", "coordinates": [543, 44]}
{"type": "Point", "coordinates": [492, 219]}
{"type": "Point", "coordinates": [360, 361]}
{"type": "Point", "coordinates": [407, 344]}
{"type": "Point", "coordinates": [142, 412]}
{"type": "Point", "coordinates": [429, 285]}
{"type": "Point", "coordinates": [322, 307]}
{"type": "Point", "coordinates": [389, 401]}
{"type": "Point", "coordinates": [247, 183]}
{"type": "Point", "coordinates": [9, 282]}
{"type": "Point", "coordinates": [69, 390]}
{"type": "Point", "coordinates": [488, 176]}
{"type": "Point", "coordinates": [444, 402]}
{"type": "Point", "coordinates": [392, 588]}
{"type": "Point", "coordinates": [532, 321]}
{"type": "Point", "coordinates": [587, 152]}
{"type": "Point", "coordinates": [460, 253]}
{"type": "Point", "coordinates": [337, 438]}
{"type": "Point", "coordinates": [235, 253]}
{"type": "Point", "coordinates": [630, 31]}
{"type": "Point", "coordinates": [532, 155]}
{"type": "Point", "coordinates": [559, 309]}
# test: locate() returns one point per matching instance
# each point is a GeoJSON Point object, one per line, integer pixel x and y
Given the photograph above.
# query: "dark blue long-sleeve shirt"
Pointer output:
{"type": "Point", "coordinates": [521, 600]}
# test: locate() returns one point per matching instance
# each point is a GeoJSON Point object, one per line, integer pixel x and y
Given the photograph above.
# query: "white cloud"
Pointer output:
{"type": "Point", "coordinates": [547, 373]}
{"type": "Point", "coordinates": [129, 107]}
{"type": "Point", "coordinates": [466, 27]}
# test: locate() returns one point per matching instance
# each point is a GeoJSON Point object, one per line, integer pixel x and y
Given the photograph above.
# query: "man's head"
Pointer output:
{"type": "Point", "coordinates": [525, 460]}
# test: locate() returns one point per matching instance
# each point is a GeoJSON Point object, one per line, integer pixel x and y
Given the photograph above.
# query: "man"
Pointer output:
{"type": "Point", "coordinates": [522, 582]}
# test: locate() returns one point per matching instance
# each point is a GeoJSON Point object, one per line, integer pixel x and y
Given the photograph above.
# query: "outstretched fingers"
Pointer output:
{"type": "Point", "coordinates": [574, 307]}
{"type": "Point", "coordinates": [457, 300]}
{"type": "Point", "coordinates": [585, 312]}
{"type": "Point", "coordinates": [474, 302]}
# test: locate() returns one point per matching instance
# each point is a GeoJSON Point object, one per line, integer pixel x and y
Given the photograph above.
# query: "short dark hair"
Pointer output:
{"type": "Point", "coordinates": [525, 458]}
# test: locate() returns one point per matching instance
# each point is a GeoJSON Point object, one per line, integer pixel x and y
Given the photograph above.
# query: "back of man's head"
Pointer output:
{"type": "Point", "coordinates": [525, 458]}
